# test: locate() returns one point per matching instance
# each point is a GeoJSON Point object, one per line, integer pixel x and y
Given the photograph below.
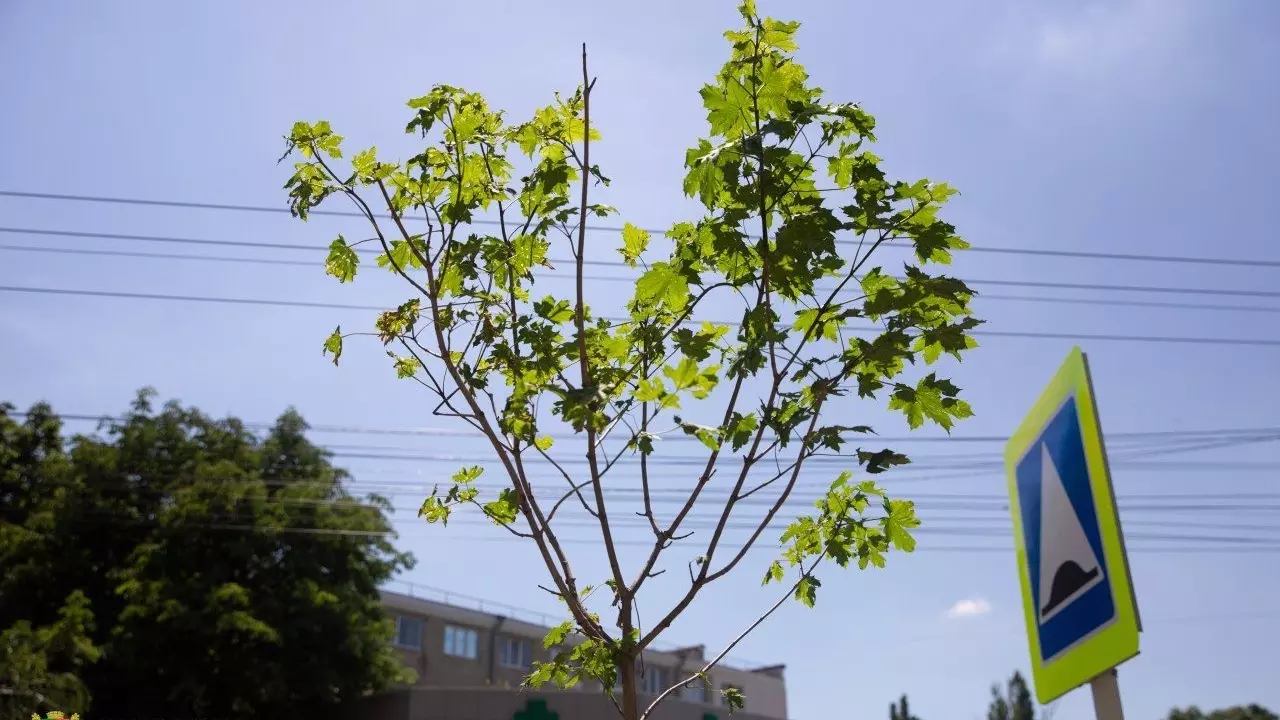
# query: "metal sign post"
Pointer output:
{"type": "Point", "coordinates": [1106, 696]}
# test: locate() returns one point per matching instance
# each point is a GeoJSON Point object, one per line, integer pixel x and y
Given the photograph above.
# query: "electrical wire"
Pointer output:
{"type": "Point", "coordinates": [604, 228]}
{"type": "Point", "coordinates": [1152, 435]}
{"type": "Point", "coordinates": [1191, 544]}
{"type": "Point", "coordinates": [1056, 300]}
{"type": "Point", "coordinates": [1162, 339]}
{"type": "Point", "coordinates": [605, 278]}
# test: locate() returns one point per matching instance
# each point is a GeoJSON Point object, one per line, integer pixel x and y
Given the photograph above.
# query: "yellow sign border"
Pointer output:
{"type": "Point", "coordinates": [1117, 641]}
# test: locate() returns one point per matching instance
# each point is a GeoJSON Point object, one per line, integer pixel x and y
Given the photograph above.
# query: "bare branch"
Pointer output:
{"type": "Point", "coordinates": [729, 648]}
{"type": "Point", "coordinates": [546, 541]}
{"type": "Point", "coordinates": [584, 363]}
{"type": "Point", "coordinates": [644, 476]}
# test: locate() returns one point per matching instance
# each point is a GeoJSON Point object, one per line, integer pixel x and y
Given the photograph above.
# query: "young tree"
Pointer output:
{"type": "Point", "coordinates": [796, 205]}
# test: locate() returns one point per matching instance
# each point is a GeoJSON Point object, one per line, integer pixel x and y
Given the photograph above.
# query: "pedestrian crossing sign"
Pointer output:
{"type": "Point", "coordinates": [1077, 593]}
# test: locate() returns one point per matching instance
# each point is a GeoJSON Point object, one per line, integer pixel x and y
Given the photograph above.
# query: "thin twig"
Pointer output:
{"type": "Point", "coordinates": [729, 648]}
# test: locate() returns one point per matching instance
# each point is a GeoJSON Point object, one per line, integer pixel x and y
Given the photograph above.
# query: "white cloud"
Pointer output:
{"type": "Point", "coordinates": [1110, 37]}
{"type": "Point", "coordinates": [971, 607]}
{"type": "Point", "coordinates": [1133, 42]}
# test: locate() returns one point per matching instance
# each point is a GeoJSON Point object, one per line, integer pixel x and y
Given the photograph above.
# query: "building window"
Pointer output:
{"type": "Point", "coordinates": [727, 686]}
{"type": "Point", "coordinates": [408, 632]}
{"type": "Point", "coordinates": [695, 691]}
{"type": "Point", "coordinates": [514, 653]}
{"type": "Point", "coordinates": [460, 642]}
{"type": "Point", "coordinates": [654, 681]}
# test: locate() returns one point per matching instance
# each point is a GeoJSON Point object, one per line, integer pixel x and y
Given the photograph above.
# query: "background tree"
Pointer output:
{"type": "Point", "coordinates": [900, 710]}
{"type": "Point", "coordinates": [196, 545]}
{"type": "Point", "coordinates": [1014, 703]}
{"type": "Point", "coordinates": [1237, 712]}
{"type": "Point", "coordinates": [39, 667]}
{"type": "Point", "coordinates": [795, 205]}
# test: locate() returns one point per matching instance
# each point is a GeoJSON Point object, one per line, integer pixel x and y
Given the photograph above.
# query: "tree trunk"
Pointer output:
{"type": "Point", "coordinates": [630, 700]}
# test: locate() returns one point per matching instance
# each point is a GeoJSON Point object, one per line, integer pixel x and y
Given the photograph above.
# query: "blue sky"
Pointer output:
{"type": "Point", "coordinates": [1134, 126]}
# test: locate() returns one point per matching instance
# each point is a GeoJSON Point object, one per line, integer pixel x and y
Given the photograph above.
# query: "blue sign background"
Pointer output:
{"type": "Point", "coordinates": [1096, 607]}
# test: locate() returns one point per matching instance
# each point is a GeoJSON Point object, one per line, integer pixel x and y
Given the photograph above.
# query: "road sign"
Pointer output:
{"type": "Point", "coordinates": [1081, 614]}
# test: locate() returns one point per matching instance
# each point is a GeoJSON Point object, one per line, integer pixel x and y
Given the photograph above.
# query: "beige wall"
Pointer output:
{"type": "Point", "coordinates": [442, 703]}
{"type": "Point", "coordinates": [765, 690]}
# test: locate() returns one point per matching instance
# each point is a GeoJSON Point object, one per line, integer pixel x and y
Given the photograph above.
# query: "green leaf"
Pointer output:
{"type": "Point", "coordinates": [333, 344]}
{"type": "Point", "coordinates": [740, 429]}
{"type": "Point", "coordinates": [900, 518]}
{"type": "Point", "coordinates": [365, 162]}
{"type": "Point", "coordinates": [732, 698]}
{"type": "Point", "coordinates": [881, 460]}
{"type": "Point", "coordinates": [828, 326]}
{"type": "Point", "coordinates": [634, 242]}
{"type": "Point", "coordinates": [556, 311]}
{"type": "Point", "coordinates": [931, 399]}
{"type": "Point", "coordinates": [773, 574]}
{"type": "Point", "coordinates": [875, 282]}
{"type": "Point", "coordinates": [684, 375]}
{"type": "Point", "coordinates": [435, 510]}
{"type": "Point", "coordinates": [699, 344]}
{"type": "Point", "coordinates": [708, 435]}
{"type": "Point", "coordinates": [544, 443]}
{"type": "Point", "coordinates": [728, 108]}
{"type": "Point", "coordinates": [394, 323]}
{"type": "Point", "coordinates": [649, 390]}
{"type": "Point", "coordinates": [406, 367]}
{"type": "Point", "coordinates": [644, 442]}
{"type": "Point", "coordinates": [401, 257]}
{"type": "Point", "coordinates": [662, 286]}
{"type": "Point", "coordinates": [468, 474]}
{"type": "Point", "coordinates": [807, 590]}
{"type": "Point", "coordinates": [342, 260]}
{"type": "Point", "coordinates": [556, 635]}
{"type": "Point", "coordinates": [505, 509]}
{"type": "Point", "coordinates": [932, 351]}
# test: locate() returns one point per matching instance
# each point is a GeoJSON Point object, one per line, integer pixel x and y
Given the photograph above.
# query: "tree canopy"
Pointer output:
{"type": "Point", "coordinates": [794, 207]}
{"type": "Point", "coordinates": [901, 710]}
{"type": "Point", "coordinates": [1236, 712]}
{"type": "Point", "coordinates": [179, 565]}
{"type": "Point", "coordinates": [1014, 702]}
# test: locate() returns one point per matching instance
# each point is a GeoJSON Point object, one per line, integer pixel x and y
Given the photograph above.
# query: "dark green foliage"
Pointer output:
{"type": "Point", "coordinates": [901, 711]}
{"type": "Point", "coordinates": [1238, 712]}
{"type": "Point", "coordinates": [179, 533]}
{"type": "Point", "coordinates": [1014, 703]}
{"type": "Point", "coordinates": [40, 666]}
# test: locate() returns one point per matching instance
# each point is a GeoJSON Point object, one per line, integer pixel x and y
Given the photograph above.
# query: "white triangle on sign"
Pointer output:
{"type": "Point", "coordinates": [1068, 565]}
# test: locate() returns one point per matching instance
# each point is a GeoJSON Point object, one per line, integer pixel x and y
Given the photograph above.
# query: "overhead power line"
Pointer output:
{"type": "Point", "coordinates": [89, 252]}
{"type": "Point", "coordinates": [1186, 544]}
{"type": "Point", "coordinates": [195, 241]}
{"type": "Point", "coordinates": [1148, 435]}
{"type": "Point", "coordinates": [702, 521]}
{"type": "Point", "coordinates": [606, 228]}
{"type": "Point", "coordinates": [802, 496]}
{"type": "Point", "coordinates": [1256, 342]}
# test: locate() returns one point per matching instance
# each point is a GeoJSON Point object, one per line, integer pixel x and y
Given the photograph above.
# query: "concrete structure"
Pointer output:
{"type": "Point", "coordinates": [471, 662]}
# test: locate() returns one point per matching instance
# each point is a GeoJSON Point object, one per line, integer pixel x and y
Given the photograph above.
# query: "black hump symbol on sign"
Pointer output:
{"type": "Point", "coordinates": [1067, 581]}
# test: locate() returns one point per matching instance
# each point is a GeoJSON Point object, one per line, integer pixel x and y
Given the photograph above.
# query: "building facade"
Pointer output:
{"type": "Point", "coordinates": [470, 665]}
